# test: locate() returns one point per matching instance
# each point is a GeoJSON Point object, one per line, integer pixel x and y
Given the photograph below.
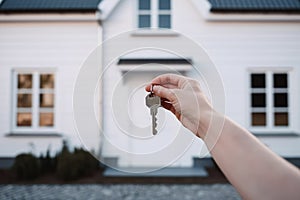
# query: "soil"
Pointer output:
{"type": "Point", "coordinates": [215, 176]}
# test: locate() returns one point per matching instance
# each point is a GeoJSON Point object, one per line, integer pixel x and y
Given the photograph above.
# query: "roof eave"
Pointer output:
{"type": "Point", "coordinates": [50, 17]}
{"type": "Point", "coordinates": [215, 15]}
{"type": "Point", "coordinates": [254, 11]}
{"type": "Point", "coordinates": [38, 11]}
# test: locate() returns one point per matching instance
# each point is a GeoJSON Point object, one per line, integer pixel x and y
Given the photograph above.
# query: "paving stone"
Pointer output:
{"type": "Point", "coordinates": [116, 192]}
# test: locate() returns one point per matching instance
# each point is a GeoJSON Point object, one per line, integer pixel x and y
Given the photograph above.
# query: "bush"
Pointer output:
{"type": "Point", "coordinates": [71, 166]}
{"type": "Point", "coordinates": [89, 163]}
{"type": "Point", "coordinates": [67, 165]}
{"type": "Point", "coordinates": [47, 163]}
{"type": "Point", "coordinates": [26, 167]}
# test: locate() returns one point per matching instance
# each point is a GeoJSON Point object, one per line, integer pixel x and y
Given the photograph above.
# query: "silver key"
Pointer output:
{"type": "Point", "coordinates": [153, 102]}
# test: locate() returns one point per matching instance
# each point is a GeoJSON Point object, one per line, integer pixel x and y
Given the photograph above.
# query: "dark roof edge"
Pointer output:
{"type": "Point", "coordinates": [256, 11]}
{"type": "Point", "coordinates": [49, 11]}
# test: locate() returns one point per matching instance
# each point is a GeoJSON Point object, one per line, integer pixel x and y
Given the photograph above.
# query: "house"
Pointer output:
{"type": "Point", "coordinates": [244, 54]}
{"type": "Point", "coordinates": [42, 47]}
{"type": "Point", "coordinates": [255, 47]}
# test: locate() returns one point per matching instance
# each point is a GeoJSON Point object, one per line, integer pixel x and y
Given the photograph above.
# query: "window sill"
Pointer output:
{"type": "Point", "coordinates": [272, 134]}
{"type": "Point", "coordinates": [35, 134]}
{"type": "Point", "coordinates": [154, 32]}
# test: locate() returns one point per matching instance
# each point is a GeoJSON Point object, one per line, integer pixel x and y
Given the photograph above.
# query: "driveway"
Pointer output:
{"type": "Point", "coordinates": [122, 192]}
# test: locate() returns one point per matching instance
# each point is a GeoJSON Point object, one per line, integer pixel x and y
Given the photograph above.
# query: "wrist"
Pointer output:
{"type": "Point", "coordinates": [207, 120]}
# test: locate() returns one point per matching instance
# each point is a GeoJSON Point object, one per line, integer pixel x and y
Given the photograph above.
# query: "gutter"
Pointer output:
{"type": "Point", "coordinates": [204, 8]}
{"type": "Point", "coordinates": [51, 17]}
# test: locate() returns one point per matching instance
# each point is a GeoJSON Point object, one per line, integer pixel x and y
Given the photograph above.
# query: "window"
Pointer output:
{"type": "Point", "coordinates": [154, 13]}
{"type": "Point", "coordinates": [269, 100]}
{"type": "Point", "coordinates": [34, 99]}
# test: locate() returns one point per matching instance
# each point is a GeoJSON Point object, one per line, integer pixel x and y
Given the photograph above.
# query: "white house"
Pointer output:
{"type": "Point", "coordinates": [254, 45]}
{"type": "Point", "coordinates": [42, 47]}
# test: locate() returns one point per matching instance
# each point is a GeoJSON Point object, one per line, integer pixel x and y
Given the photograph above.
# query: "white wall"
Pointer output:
{"type": "Point", "coordinates": [236, 46]}
{"type": "Point", "coordinates": [232, 46]}
{"type": "Point", "coordinates": [63, 45]}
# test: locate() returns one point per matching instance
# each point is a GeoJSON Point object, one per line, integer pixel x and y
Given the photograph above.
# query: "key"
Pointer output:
{"type": "Point", "coordinates": [153, 102]}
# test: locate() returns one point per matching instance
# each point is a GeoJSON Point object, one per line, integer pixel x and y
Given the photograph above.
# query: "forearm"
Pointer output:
{"type": "Point", "coordinates": [254, 170]}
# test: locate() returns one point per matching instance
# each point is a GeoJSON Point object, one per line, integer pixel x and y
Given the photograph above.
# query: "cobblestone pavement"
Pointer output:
{"type": "Point", "coordinates": [123, 192]}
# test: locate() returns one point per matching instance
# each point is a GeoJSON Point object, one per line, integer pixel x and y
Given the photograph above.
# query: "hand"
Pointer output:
{"type": "Point", "coordinates": [185, 99]}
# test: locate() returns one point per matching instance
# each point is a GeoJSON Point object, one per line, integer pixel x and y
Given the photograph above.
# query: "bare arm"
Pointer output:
{"type": "Point", "coordinates": [254, 170]}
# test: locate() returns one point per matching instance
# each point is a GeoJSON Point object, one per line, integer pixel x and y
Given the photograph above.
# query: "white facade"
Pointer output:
{"type": "Point", "coordinates": [43, 43]}
{"type": "Point", "coordinates": [237, 44]}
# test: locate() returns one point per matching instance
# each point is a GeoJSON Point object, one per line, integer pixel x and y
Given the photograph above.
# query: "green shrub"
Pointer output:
{"type": "Point", "coordinates": [26, 167]}
{"type": "Point", "coordinates": [71, 166]}
{"type": "Point", "coordinates": [89, 163]}
{"type": "Point", "coordinates": [47, 163]}
{"type": "Point", "coordinates": [66, 164]}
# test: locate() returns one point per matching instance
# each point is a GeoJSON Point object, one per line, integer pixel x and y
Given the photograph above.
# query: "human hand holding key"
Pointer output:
{"type": "Point", "coordinates": [184, 98]}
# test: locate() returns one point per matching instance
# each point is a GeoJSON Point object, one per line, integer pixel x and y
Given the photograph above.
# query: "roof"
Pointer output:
{"type": "Point", "coordinates": [255, 6]}
{"type": "Point", "coordinates": [49, 5]}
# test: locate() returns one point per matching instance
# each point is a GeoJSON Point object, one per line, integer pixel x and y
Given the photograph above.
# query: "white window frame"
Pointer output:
{"type": "Point", "coordinates": [35, 128]}
{"type": "Point", "coordinates": [154, 13]}
{"type": "Point", "coordinates": [270, 128]}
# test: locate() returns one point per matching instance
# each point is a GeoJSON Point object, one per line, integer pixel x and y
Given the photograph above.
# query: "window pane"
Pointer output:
{"type": "Point", "coordinates": [47, 81]}
{"type": "Point", "coordinates": [46, 119]}
{"type": "Point", "coordinates": [144, 21]}
{"type": "Point", "coordinates": [281, 119]}
{"type": "Point", "coordinates": [46, 100]}
{"type": "Point", "coordinates": [164, 21]}
{"type": "Point", "coordinates": [164, 4]}
{"type": "Point", "coordinates": [258, 80]}
{"type": "Point", "coordinates": [259, 119]}
{"type": "Point", "coordinates": [258, 100]}
{"type": "Point", "coordinates": [280, 81]}
{"type": "Point", "coordinates": [280, 100]}
{"type": "Point", "coordinates": [144, 4]}
{"type": "Point", "coordinates": [24, 100]}
{"type": "Point", "coordinates": [24, 81]}
{"type": "Point", "coordinates": [24, 119]}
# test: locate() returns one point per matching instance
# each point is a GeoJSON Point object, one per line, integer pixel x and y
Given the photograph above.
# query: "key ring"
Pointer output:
{"type": "Point", "coordinates": [151, 89]}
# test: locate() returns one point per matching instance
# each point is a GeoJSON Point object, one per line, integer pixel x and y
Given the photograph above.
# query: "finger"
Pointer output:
{"type": "Point", "coordinates": [170, 86]}
{"type": "Point", "coordinates": [164, 93]}
{"type": "Point", "coordinates": [165, 100]}
{"type": "Point", "coordinates": [167, 80]}
{"type": "Point", "coordinates": [148, 87]}
{"type": "Point", "coordinates": [171, 79]}
{"type": "Point", "coordinates": [168, 106]}
{"type": "Point", "coordinates": [177, 115]}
